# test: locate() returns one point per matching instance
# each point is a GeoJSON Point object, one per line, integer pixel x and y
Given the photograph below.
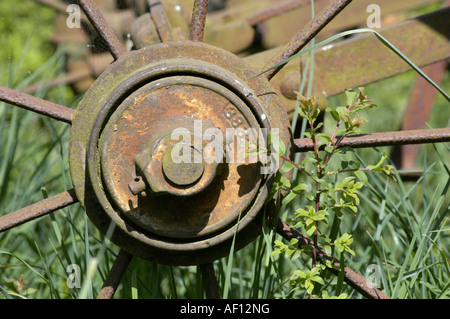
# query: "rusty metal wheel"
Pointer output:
{"type": "Point", "coordinates": [186, 214]}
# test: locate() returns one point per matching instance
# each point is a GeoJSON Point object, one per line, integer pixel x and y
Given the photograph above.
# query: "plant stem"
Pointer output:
{"type": "Point", "coordinates": [333, 136]}
{"type": "Point", "coordinates": [339, 123]}
{"type": "Point", "coordinates": [296, 165]}
{"type": "Point", "coordinates": [313, 138]}
{"type": "Point", "coordinates": [349, 170]}
{"type": "Point", "coordinates": [317, 196]}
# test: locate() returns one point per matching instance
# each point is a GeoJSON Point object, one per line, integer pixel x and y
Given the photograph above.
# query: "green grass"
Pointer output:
{"type": "Point", "coordinates": [403, 227]}
{"type": "Point", "coordinates": [21, 21]}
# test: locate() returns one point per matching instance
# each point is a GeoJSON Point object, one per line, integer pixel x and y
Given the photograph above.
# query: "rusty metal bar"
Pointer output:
{"type": "Point", "coordinates": [37, 210]}
{"type": "Point", "coordinates": [58, 6]}
{"type": "Point", "coordinates": [209, 281]}
{"type": "Point", "coordinates": [199, 13]}
{"type": "Point", "coordinates": [275, 10]}
{"type": "Point", "coordinates": [437, 135]}
{"type": "Point", "coordinates": [35, 104]}
{"type": "Point", "coordinates": [277, 31]}
{"type": "Point", "coordinates": [67, 79]}
{"type": "Point", "coordinates": [97, 20]}
{"type": "Point", "coordinates": [307, 34]}
{"type": "Point", "coordinates": [421, 102]}
{"type": "Point", "coordinates": [115, 275]}
{"type": "Point", "coordinates": [353, 279]}
{"type": "Point", "coordinates": [160, 20]}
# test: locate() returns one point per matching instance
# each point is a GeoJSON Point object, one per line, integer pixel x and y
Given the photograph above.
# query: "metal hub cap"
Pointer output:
{"type": "Point", "coordinates": [160, 163]}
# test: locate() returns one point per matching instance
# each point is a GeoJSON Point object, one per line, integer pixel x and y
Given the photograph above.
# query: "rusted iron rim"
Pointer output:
{"type": "Point", "coordinates": [170, 56]}
{"type": "Point", "coordinates": [35, 104]}
{"type": "Point", "coordinates": [197, 27]}
{"type": "Point", "coordinates": [307, 34]}
{"type": "Point", "coordinates": [115, 275]}
{"type": "Point", "coordinates": [37, 210]}
{"type": "Point", "coordinates": [144, 77]}
{"type": "Point", "coordinates": [384, 139]}
{"type": "Point", "coordinates": [104, 150]}
{"type": "Point", "coordinates": [97, 20]}
{"type": "Point", "coordinates": [353, 279]}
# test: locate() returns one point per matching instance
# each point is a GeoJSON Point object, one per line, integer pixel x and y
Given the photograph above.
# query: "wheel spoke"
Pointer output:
{"type": "Point", "coordinates": [115, 275]}
{"type": "Point", "coordinates": [58, 6]}
{"type": "Point", "coordinates": [160, 20]}
{"type": "Point", "coordinates": [304, 36]}
{"type": "Point", "coordinates": [97, 20]}
{"type": "Point", "coordinates": [66, 79]}
{"type": "Point", "coordinates": [209, 281]}
{"type": "Point", "coordinates": [275, 10]}
{"type": "Point", "coordinates": [35, 104]}
{"type": "Point", "coordinates": [353, 279]}
{"type": "Point", "coordinates": [37, 210]}
{"type": "Point", "coordinates": [421, 102]}
{"type": "Point", "coordinates": [385, 139]}
{"type": "Point", "coordinates": [198, 20]}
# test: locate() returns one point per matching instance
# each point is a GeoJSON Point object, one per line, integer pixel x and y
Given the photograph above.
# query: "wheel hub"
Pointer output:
{"type": "Point", "coordinates": [156, 135]}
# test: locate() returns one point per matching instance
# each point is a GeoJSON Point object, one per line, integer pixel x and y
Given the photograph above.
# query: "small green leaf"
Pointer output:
{"type": "Point", "coordinates": [309, 286]}
{"type": "Point", "coordinates": [302, 187]}
{"type": "Point", "coordinates": [293, 242]}
{"type": "Point", "coordinates": [310, 229]}
{"type": "Point", "coordinates": [322, 182]}
{"type": "Point", "coordinates": [344, 183]}
{"type": "Point", "coordinates": [358, 185]}
{"type": "Point", "coordinates": [351, 95]}
{"type": "Point", "coordinates": [349, 250]}
{"type": "Point", "coordinates": [317, 279]}
{"type": "Point", "coordinates": [288, 198]}
{"type": "Point", "coordinates": [296, 255]}
{"type": "Point", "coordinates": [319, 125]}
{"type": "Point", "coordinates": [286, 167]}
{"type": "Point", "coordinates": [302, 212]}
{"type": "Point", "coordinates": [329, 149]}
{"type": "Point", "coordinates": [324, 136]}
{"type": "Point", "coordinates": [285, 182]}
{"type": "Point", "coordinates": [362, 177]}
{"type": "Point", "coordinates": [276, 252]}
{"type": "Point", "coordinates": [326, 296]}
{"type": "Point", "coordinates": [335, 115]}
{"type": "Point", "coordinates": [300, 274]}
{"type": "Point", "coordinates": [342, 243]}
{"type": "Point", "coordinates": [289, 252]}
{"type": "Point", "coordinates": [344, 113]}
{"type": "Point", "coordinates": [309, 160]}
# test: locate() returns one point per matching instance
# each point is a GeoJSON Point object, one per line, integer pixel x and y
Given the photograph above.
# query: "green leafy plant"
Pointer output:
{"type": "Point", "coordinates": [329, 189]}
